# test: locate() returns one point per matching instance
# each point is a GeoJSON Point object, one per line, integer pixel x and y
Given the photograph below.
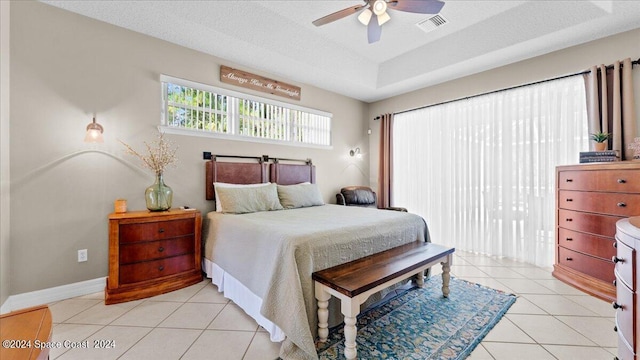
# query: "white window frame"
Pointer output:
{"type": "Point", "coordinates": [234, 115]}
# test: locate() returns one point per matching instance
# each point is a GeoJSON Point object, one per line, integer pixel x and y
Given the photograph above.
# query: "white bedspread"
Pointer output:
{"type": "Point", "coordinates": [274, 254]}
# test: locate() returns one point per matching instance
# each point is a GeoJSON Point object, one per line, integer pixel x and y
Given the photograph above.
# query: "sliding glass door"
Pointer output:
{"type": "Point", "coordinates": [481, 171]}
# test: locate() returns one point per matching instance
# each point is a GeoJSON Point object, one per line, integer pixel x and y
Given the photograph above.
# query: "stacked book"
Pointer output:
{"type": "Point", "coordinates": [599, 156]}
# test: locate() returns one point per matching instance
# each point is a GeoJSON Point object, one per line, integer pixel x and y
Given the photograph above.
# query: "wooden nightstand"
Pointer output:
{"type": "Point", "coordinates": [151, 253]}
{"type": "Point", "coordinates": [24, 332]}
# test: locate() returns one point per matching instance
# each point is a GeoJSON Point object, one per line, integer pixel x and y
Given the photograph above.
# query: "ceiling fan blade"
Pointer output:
{"type": "Point", "coordinates": [374, 30]}
{"type": "Point", "coordinates": [417, 6]}
{"type": "Point", "coordinates": [337, 15]}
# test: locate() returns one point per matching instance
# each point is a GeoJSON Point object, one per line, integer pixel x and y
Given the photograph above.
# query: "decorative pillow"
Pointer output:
{"type": "Point", "coordinates": [242, 200]}
{"type": "Point", "coordinates": [217, 185]}
{"type": "Point", "coordinates": [299, 195]}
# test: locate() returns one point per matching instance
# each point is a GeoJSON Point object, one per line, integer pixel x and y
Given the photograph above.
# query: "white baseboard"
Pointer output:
{"type": "Point", "coordinates": [46, 296]}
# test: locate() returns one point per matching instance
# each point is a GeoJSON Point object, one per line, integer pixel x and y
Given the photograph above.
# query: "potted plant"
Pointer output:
{"type": "Point", "coordinates": [600, 138]}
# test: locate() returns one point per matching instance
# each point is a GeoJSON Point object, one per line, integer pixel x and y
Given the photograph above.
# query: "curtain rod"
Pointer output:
{"type": "Point", "coordinates": [634, 62]}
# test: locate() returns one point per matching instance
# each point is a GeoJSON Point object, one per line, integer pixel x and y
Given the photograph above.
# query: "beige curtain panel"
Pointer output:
{"type": "Point", "coordinates": [385, 174]}
{"type": "Point", "coordinates": [610, 106]}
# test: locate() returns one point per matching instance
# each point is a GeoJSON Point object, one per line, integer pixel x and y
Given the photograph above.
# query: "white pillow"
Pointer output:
{"type": "Point", "coordinates": [299, 195]}
{"type": "Point", "coordinates": [216, 185]}
{"type": "Point", "coordinates": [242, 200]}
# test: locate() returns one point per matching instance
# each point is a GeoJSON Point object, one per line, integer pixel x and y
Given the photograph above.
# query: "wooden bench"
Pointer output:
{"type": "Point", "coordinates": [355, 281]}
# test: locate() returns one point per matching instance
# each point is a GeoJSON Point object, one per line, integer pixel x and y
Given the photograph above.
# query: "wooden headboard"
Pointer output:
{"type": "Point", "coordinates": [253, 170]}
{"type": "Point", "coordinates": [233, 173]}
{"type": "Point", "coordinates": [288, 174]}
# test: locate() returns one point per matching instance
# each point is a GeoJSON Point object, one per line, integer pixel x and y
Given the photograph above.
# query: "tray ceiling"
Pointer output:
{"type": "Point", "coordinates": [277, 37]}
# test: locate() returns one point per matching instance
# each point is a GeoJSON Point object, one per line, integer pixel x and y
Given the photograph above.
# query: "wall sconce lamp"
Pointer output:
{"type": "Point", "coordinates": [355, 152]}
{"type": "Point", "coordinates": [94, 132]}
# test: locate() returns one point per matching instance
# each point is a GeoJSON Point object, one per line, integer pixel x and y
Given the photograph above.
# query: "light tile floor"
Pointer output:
{"type": "Point", "coordinates": [550, 320]}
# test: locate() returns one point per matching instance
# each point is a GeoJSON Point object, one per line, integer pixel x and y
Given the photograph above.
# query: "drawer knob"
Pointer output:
{"type": "Point", "coordinates": [621, 181]}
{"type": "Point", "coordinates": [615, 244]}
{"type": "Point", "coordinates": [615, 282]}
{"type": "Point", "coordinates": [160, 267]}
{"type": "Point", "coordinates": [161, 230]}
{"type": "Point", "coordinates": [616, 305]}
{"type": "Point", "coordinates": [569, 239]}
{"type": "Point", "coordinates": [569, 219]}
{"type": "Point", "coordinates": [569, 259]}
{"type": "Point", "coordinates": [569, 180]}
{"type": "Point", "coordinates": [622, 204]}
{"type": "Point", "coordinates": [160, 249]}
{"type": "Point", "coordinates": [569, 200]}
{"type": "Point", "coordinates": [616, 259]}
{"type": "Point", "coordinates": [615, 328]}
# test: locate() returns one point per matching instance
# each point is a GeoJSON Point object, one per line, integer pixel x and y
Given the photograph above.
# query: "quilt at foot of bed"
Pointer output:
{"type": "Point", "coordinates": [235, 291]}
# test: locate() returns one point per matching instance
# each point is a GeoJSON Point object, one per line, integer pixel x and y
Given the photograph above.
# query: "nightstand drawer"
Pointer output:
{"type": "Point", "coordinates": [604, 225]}
{"type": "Point", "coordinates": [136, 252]}
{"type": "Point", "coordinates": [598, 246]}
{"type": "Point", "coordinates": [624, 314]}
{"type": "Point", "coordinates": [625, 264]}
{"type": "Point", "coordinates": [617, 180]}
{"type": "Point", "coordinates": [624, 351]}
{"type": "Point", "coordinates": [597, 268]}
{"type": "Point", "coordinates": [154, 269]}
{"type": "Point", "coordinates": [155, 230]}
{"type": "Point", "coordinates": [628, 238]}
{"type": "Point", "coordinates": [600, 202]}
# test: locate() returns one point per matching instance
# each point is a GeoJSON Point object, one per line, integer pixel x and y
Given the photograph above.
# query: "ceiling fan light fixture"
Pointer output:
{"type": "Point", "coordinates": [379, 7]}
{"type": "Point", "coordinates": [383, 18]}
{"type": "Point", "coordinates": [365, 17]}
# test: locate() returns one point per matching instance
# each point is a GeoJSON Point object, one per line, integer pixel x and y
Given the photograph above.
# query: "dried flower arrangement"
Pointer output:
{"type": "Point", "coordinates": [160, 155]}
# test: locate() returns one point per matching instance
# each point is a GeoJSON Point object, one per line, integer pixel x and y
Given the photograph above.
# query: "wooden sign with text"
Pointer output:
{"type": "Point", "coordinates": [256, 82]}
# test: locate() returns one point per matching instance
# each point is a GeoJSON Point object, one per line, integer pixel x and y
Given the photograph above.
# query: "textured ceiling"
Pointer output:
{"type": "Point", "coordinates": [277, 37]}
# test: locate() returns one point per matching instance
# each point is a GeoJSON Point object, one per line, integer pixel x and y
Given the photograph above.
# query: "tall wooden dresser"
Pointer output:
{"type": "Point", "coordinates": [151, 253]}
{"type": "Point", "coordinates": [627, 286]}
{"type": "Point", "coordinates": [590, 199]}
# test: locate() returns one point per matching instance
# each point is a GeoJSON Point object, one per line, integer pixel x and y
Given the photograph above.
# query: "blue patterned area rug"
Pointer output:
{"type": "Point", "coordinates": [421, 324]}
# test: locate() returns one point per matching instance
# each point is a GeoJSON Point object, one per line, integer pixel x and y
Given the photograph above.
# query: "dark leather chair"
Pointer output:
{"type": "Point", "coordinates": [360, 196]}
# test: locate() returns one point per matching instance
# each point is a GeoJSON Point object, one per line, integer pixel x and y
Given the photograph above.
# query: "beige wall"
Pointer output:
{"type": "Point", "coordinates": [563, 62]}
{"type": "Point", "coordinates": [64, 68]}
{"type": "Point", "coordinates": [4, 153]}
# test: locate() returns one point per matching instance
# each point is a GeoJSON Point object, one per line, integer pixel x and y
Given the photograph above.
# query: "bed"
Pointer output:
{"type": "Point", "coordinates": [263, 260]}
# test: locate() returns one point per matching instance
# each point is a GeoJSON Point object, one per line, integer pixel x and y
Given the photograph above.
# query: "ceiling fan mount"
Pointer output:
{"type": "Point", "coordinates": [375, 13]}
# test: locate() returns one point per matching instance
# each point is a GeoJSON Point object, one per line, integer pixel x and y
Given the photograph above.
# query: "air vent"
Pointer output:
{"type": "Point", "coordinates": [432, 23]}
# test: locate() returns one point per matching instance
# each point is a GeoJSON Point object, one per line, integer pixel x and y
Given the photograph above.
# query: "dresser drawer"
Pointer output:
{"type": "Point", "coordinates": [155, 230]}
{"type": "Point", "coordinates": [599, 202]}
{"type": "Point", "coordinates": [624, 314]}
{"type": "Point", "coordinates": [136, 252]}
{"type": "Point", "coordinates": [626, 265]}
{"type": "Point", "coordinates": [604, 225]}
{"type": "Point", "coordinates": [597, 268]}
{"type": "Point", "coordinates": [598, 246]}
{"type": "Point", "coordinates": [617, 180]}
{"type": "Point", "coordinates": [148, 270]}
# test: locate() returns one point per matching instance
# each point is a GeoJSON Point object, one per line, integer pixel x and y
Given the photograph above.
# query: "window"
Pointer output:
{"type": "Point", "coordinates": [481, 171]}
{"type": "Point", "coordinates": [199, 109]}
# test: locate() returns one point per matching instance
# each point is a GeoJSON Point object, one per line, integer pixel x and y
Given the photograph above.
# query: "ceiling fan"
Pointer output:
{"type": "Point", "coordinates": [379, 9]}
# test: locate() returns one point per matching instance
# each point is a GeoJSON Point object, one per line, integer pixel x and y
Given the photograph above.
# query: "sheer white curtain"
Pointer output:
{"type": "Point", "coordinates": [481, 171]}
